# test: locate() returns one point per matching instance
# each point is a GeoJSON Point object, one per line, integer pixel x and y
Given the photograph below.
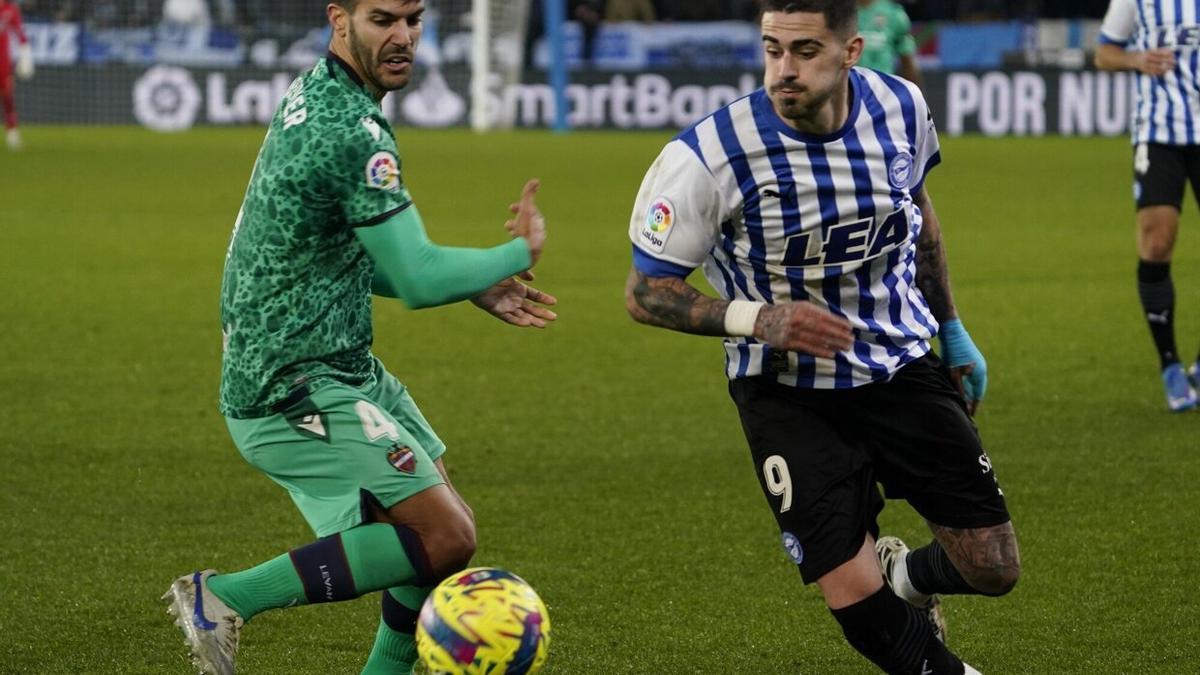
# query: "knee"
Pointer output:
{"type": "Point", "coordinates": [1156, 249]}
{"type": "Point", "coordinates": [438, 531]}
{"type": "Point", "coordinates": [1157, 228]}
{"type": "Point", "coordinates": [451, 546]}
{"type": "Point", "coordinates": [462, 548]}
{"type": "Point", "coordinates": [995, 578]}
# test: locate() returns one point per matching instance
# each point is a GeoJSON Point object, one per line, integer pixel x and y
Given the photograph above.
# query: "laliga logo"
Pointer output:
{"type": "Point", "coordinates": [166, 98]}
{"type": "Point", "coordinates": [660, 217]}
{"type": "Point", "coordinates": [383, 172]}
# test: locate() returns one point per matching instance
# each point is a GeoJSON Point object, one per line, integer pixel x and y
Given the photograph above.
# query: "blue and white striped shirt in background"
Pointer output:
{"type": "Point", "coordinates": [774, 215]}
{"type": "Point", "coordinates": [1167, 108]}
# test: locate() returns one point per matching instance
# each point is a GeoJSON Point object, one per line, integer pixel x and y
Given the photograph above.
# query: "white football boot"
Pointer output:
{"type": "Point", "coordinates": [13, 138]}
{"type": "Point", "coordinates": [892, 557]}
{"type": "Point", "coordinates": [210, 627]}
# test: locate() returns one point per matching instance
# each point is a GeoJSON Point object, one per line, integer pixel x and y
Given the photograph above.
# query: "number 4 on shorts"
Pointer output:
{"type": "Point", "coordinates": [375, 424]}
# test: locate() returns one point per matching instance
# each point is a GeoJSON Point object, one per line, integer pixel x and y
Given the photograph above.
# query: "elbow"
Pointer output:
{"type": "Point", "coordinates": [416, 304]}
{"type": "Point", "coordinates": [418, 300]}
{"type": "Point", "coordinates": [1107, 57]}
{"type": "Point", "coordinates": [635, 309]}
{"type": "Point", "coordinates": [383, 288]}
{"type": "Point", "coordinates": [632, 306]}
{"type": "Point", "coordinates": [414, 296]}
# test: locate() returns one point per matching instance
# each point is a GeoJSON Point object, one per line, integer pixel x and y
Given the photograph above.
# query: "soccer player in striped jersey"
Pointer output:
{"type": "Point", "coordinates": [805, 202]}
{"type": "Point", "coordinates": [1160, 41]}
{"type": "Point", "coordinates": [326, 222]}
{"type": "Point", "coordinates": [10, 22]}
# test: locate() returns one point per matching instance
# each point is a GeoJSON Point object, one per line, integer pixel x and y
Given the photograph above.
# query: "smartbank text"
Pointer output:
{"type": "Point", "coordinates": [172, 99]}
{"type": "Point", "coordinates": [994, 103]}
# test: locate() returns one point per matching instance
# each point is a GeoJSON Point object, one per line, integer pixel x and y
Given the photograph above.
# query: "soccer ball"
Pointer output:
{"type": "Point", "coordinates": [483, 620]}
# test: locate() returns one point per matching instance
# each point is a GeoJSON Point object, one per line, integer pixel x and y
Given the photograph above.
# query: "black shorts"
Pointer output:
{"type": "Point", "coordinates": [819, 454]}
{"type": "Point", "coordinates": [1161, 171]}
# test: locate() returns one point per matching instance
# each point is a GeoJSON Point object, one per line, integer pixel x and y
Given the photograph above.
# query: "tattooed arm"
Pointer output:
{"type": "Point", "coordinates": [671, 302]}
{"type": "Point", "coordinates": [933, 277]}
{"type": "Point", "coordinates": [968, 368]}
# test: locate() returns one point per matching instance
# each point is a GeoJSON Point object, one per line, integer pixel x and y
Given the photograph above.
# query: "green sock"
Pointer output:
{"type": "Point", "coordinates": [339, 567]}
{"type": "Point", "coordinates": [395, 649]}
{"type": "Point", "coordinates": [267, 586]}
{"type": "Point", "coordinates": [393, 653]}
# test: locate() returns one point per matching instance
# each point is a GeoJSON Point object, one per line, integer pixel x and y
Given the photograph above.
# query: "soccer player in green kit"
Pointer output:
{"type": "Point", "coordinates": [326, 223]}
{"type": "Point", "coordinates": [887, 39]}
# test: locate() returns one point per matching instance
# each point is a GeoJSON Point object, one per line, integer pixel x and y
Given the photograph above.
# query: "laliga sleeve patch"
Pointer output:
{"type": "Point", "coordinates": [383, 172]}
{"type": "Point", "coordinates": [657, 226]}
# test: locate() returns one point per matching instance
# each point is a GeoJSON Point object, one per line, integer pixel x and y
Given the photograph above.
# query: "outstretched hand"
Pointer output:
{"type": "Point", "coordinates": [515, 303]}
{"type": "Point", "coordinates": [527, 221]}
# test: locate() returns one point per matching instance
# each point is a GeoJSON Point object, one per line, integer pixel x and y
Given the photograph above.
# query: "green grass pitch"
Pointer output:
{"type": "Point", "coordinates": [604, 460]}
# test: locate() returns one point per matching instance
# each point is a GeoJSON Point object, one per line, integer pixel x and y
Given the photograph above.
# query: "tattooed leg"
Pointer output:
{"type": "Point", "coordinates": [978, 561]}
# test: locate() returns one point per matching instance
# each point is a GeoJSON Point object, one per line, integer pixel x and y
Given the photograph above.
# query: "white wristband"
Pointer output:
{"type": "Point", "coordinates": [740, 317]}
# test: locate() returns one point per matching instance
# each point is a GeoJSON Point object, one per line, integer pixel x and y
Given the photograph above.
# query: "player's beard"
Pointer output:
{"type": "Point", "coordinates": [803, 104]}
{"type": "Point", "coordinates": [372, 64]}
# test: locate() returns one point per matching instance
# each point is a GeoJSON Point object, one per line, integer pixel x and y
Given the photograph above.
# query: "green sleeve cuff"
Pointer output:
{"type": "Point", "coordinates": [519, 256]}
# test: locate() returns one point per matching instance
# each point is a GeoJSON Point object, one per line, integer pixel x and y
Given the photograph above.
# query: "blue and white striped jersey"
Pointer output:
{"type": "Point", "coordinates": [775, 215]}
{"type": "Point", "coordinates": [1167, 109]}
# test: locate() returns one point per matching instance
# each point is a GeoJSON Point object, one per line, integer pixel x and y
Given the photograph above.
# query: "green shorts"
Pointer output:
{"type": "Point", "coordinates": [334, 447]}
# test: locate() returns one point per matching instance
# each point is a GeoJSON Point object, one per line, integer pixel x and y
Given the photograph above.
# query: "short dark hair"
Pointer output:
{"type": "Point", "coordinates": [840, 15]}
{"type": "Point", "coordinates": [348, 5]}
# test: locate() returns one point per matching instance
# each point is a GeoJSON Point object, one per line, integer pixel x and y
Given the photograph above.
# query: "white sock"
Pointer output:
{"type": "Point", "coordinates": [903, 587]}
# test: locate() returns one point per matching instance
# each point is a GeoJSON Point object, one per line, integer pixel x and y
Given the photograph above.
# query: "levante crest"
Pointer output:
{"type": "Point", "coordinates": [402, 458]}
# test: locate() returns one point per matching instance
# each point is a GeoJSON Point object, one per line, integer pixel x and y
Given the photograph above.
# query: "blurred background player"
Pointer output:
{"type": "Point", "coordinates": [590, 15]}
{"type": "Point", "coordinates": [10, 23]}
{"type": "Point", "coordinates": [326, 223]}
{"type": "Point", "coordinates": [887, 39]}
{"type": "Point", "coordinates": [630, 10]}
{"type": "Point", "coordinates": [1159, 40]}
{"type": "Point", "coordinates": [805, 202]}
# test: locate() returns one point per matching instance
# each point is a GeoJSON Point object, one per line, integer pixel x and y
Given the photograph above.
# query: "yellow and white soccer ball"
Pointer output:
{"type": "Point", "coordinates": [483, 620]}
